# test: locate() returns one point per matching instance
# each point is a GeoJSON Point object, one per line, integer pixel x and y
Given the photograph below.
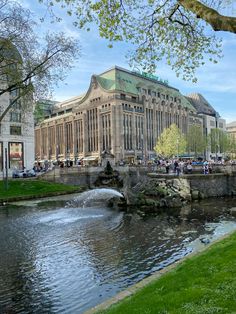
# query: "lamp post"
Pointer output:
{"type": "Point", "coordinates": [6, 169]}
{"type": "Point", "coordinates": [177, 142]}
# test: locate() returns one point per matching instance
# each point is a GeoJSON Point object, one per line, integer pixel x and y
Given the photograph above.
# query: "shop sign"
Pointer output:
{"type": "Point", "coordinates": [151, 76]}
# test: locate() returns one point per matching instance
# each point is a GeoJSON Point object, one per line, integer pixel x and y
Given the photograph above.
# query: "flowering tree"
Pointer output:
{"type": "Point", "coordinates": [196, 141]}
{"type": "Point", "coordinates": [182, 32]}
{"type": "Point", "coordinates": [171, 142]}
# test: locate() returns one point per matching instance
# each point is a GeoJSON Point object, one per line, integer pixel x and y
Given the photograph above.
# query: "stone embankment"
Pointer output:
{"type": "Point", "coordinates": [149, 189]}
{"type": "Point", "coordinates": [152, 194]}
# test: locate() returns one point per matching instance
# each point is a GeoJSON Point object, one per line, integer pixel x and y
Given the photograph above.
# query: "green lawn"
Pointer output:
{"type": "Point", "coordinates": [202, 284]}
{"type": "Point", "coordinates": [24, 187]}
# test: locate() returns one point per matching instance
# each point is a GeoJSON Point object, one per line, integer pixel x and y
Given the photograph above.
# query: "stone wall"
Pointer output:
{"type": "Point", "coordinates": [214, 185]}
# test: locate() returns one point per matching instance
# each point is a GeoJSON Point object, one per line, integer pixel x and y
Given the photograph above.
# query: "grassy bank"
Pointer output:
{"type": "Point", "coordinates": [202, 284]}
{"type": "Point", "coordinates": [23, 188]}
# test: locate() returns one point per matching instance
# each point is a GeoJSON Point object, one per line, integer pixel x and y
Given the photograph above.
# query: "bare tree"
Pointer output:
{"type": "Point", "coordinates": [30, 65]}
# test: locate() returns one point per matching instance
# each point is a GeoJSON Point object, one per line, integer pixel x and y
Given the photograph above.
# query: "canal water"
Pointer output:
{"type": "Point", "coordinates": [60, 256]}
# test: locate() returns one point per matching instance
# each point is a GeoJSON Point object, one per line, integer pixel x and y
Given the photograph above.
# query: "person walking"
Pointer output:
{"type": "Point", "coordinates": [167, 165]}
{"type": "Point", "coordinates": [178, 170]}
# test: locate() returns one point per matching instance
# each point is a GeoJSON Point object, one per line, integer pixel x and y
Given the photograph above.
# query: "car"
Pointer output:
{"type": "Point", "coordinates": [30, 173]}
{"type": "Point", "coordinates": [19, 174]}
{"type": "Point", "coordinates": [23, 173]}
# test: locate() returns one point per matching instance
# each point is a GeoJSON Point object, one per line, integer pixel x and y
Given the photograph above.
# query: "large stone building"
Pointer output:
{"type": "Point", "coordinates": [231, 129]}
{"type": "Point", "coordinates": [211, 119]}
{"type": "Point", "coordinates": [17, 125]}
{"type": "Point", "coordinates": [123, 112]}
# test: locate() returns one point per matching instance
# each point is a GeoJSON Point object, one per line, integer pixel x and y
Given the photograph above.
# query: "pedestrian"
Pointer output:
{"type": "Point", "coordinates": [178, 170]}
{"type": "Point", "coordinates": [176, 164]}
{"type": "Point", "coordinates": [210, 168]}
{"type": "Point", "coordinates": [189, 168]}
{"type": "Point", "coordinates": [206, 169]}
{"type": "Point", "coordinates": [167, 165]}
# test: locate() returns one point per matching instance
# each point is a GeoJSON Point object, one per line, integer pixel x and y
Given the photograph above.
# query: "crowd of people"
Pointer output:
{"type": "Point", "coordinates": [179, 166]}
{"type": "Point", "coordinates": [168, 166]}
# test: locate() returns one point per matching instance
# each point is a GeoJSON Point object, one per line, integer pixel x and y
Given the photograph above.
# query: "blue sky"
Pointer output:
{"type": "Point", "coordinates": [216, 82]}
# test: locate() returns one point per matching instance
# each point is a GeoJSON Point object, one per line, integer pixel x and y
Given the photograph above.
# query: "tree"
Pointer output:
{"type": "Point", "coordinates": [218, 141]}
{"type": "Point", "coordinates": [29, 65]}
{"type": "Point", "coordinates": [171, 142]}
{"type": "Point", "coordinates": [232, 145]}
{"type": "Point", "coordinates": [196, 141]}
{"type": "Point", "coordinates": [182, 32]}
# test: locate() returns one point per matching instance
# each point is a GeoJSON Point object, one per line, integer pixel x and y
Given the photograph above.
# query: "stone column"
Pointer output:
{"type": "Point", "coordinates": [113, 130]}
{"type": "Point", "coordinates": [73, 137]}
{"type": "Point", "coordinates": [55, 140]}
{"type": "Point", "coordinates": [85, 134]}
{"type": "Point", "coordinates": [155, 124]}
{"type": "Point", "coordinates": [144, 135]}
{"type": "Point", "coordinates": [47, 143]}
{"type": "Point", "coordinates": [99, 121]}
{"type": "Point", "coordinates": [134, 135]}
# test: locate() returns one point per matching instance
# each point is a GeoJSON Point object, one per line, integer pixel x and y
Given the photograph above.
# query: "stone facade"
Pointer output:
{"type": "Point", "coordinates": [123, 112]}
{"type": "Point", "coordinates": [231, 129]}
{"type": "Point", "coordinates": [16, 131]}
{"type": "Point", "coordinates": [211, 119]}
{"type": "Point", "coordinates": [16, 137]}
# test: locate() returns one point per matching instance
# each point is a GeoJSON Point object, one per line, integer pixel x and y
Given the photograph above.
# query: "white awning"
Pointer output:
{"type": "Point", "coordinates": [90, 158]}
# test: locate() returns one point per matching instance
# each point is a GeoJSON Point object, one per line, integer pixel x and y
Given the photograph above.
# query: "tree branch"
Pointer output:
{"type": "Point", "coordinates": [30, 74]}
{"type": "Point", "coordinates": [22, 94]}
{"type": "Point", "coordinates": [217, 21]}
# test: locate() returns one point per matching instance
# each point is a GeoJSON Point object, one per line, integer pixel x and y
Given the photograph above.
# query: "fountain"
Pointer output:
{"type": "Point", "coordinates": [96, 196]}
{"type": "Point", "coordinates": [109, 177]}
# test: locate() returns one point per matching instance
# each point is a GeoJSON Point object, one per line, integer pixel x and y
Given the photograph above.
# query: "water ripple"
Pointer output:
{"type": "Point", "coordinates": [65, 260]}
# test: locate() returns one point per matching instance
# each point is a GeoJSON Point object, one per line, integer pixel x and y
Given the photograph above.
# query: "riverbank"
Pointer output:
{"type": "Point", "coordinates": [25, 189]}
{"type": "Point", "coordinates": [203, 283]}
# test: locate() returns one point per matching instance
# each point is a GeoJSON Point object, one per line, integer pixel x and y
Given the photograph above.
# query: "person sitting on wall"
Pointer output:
{"type": "Point", "coordinates": [189, 168]}
{"type": "Point", "coordinates": [205, 167]}
{"type": "Point", "coordinates": [210, 168]}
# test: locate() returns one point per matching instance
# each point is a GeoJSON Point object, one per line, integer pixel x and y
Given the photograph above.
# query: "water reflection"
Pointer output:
{"type": "Point", "coordinates": [67, 259]}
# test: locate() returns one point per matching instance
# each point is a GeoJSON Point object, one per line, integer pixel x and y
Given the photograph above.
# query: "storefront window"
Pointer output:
{"type": "Point", "coordinates": [16, 155]}
{"type": "Point", "coordinates": [1, 156]}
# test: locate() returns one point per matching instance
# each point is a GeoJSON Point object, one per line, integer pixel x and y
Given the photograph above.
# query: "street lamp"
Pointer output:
{"type": "Point", "coordinates": [6, 169]}
{"type": "Point", "coordinates": [177, 142]}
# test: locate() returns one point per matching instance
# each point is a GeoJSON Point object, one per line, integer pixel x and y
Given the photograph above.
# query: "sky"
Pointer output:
{"type": "Point", "coordinates": [216, 82]}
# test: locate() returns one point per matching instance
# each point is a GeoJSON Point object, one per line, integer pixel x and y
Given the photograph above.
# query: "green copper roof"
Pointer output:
{"type": "Point", "coordinates": [118, 79]}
